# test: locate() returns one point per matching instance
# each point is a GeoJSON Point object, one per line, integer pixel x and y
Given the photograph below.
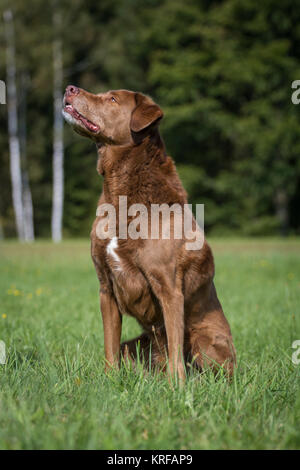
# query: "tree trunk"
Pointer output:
{"type": "Point", "coordinates": [27, 199]}
{"type": "Point", "coordinates": [281, 207]}
{"type": "Point", "coordinates": [14, 145]}
{"type": "Point", "coordinates": [2, 92]}
{"type": "Point", "coordinates": [58, 148]}
{"type": "Point", "coordinates": [1, 230]}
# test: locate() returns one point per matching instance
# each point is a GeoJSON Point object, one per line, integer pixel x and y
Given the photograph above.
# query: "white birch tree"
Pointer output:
{"type": "Point", "coordinates": [27, 198]}
{"type": "Point", "coordinates": [14, 144]}
{"type": "Point", "coordinates": [58, 147]}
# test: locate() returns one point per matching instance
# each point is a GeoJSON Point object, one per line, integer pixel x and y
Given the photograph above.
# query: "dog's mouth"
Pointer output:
{"type": "Point", "coordinates": [90, 126]}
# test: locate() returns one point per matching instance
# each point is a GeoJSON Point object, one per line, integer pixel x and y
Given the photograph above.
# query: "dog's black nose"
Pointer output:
{"type": "Point", "coordinates": [72, 90]}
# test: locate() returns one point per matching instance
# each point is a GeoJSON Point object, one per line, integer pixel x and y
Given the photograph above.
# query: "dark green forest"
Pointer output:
{"type": "Point", "coordinates": [221, 70]}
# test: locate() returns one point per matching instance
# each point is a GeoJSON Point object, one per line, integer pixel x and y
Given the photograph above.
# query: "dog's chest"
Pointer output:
{"type": "Point", "coordinates": [130, 287]}
{"type": "Point", "coordinates": [113, 256]}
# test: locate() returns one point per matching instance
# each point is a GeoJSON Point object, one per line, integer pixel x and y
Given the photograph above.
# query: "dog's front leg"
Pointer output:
{"type": "Point", "coordinates": [173, 312]}
{"type": "Point", "coordinates": [112, 326]}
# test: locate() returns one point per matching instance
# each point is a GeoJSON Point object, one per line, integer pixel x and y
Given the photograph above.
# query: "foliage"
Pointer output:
{"type": "Point", "coordinates": [222, 72]}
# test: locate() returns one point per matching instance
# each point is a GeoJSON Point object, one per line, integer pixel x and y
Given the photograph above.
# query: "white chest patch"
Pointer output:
{"type": "Point", "coordinates": [110, 250]}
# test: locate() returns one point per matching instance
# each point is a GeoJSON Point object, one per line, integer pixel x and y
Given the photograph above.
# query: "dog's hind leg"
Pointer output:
{"type": "Point", "coordinates": [149, 348]}
{"type": "Point", "coordinates": [135, 348]}
{"type": "Point", "coordinates": [210, 347]}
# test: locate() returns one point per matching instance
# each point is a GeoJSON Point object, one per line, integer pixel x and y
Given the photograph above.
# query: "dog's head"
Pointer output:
{"type": "Point", "coordinates": [115, 117]}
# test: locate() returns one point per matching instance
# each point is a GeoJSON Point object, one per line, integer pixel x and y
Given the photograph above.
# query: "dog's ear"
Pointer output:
{"type": "Point", "coordinates": [145, 113]}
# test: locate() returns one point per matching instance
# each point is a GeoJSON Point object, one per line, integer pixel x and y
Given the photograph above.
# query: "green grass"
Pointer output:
{"type": "Point", "coordinates": [53, 390]}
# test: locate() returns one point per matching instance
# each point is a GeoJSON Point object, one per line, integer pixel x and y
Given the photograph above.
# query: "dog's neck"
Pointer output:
{"type": "Point", "coordinates": [130, 170]}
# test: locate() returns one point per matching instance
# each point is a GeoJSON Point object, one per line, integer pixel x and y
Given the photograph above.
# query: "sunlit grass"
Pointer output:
{"type": "Point", "coordinates": [53, 390]}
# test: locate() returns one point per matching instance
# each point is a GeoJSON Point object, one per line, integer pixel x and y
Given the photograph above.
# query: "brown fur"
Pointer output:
{"type": "Point", "coordinates": [167, 288]}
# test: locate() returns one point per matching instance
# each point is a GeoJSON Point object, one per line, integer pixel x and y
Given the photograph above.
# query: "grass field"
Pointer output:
{"type": "Point", "coordinates": [53, 390]}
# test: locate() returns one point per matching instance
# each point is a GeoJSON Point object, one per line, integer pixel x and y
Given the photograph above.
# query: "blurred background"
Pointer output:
{"type": "Point", "coordinates": [222, 72]}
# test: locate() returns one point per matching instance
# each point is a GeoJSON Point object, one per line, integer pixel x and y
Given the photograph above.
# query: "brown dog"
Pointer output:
{"type": "Point", "coordinates": [168, 288]}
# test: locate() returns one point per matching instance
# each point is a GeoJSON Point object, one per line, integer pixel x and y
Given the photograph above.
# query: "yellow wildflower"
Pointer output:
{"type": "Point", "coordinates": [264, 263]}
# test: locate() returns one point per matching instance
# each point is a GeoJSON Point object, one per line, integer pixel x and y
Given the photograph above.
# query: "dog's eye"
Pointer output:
{"type": "Point", "coordinates": [113, 99]}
